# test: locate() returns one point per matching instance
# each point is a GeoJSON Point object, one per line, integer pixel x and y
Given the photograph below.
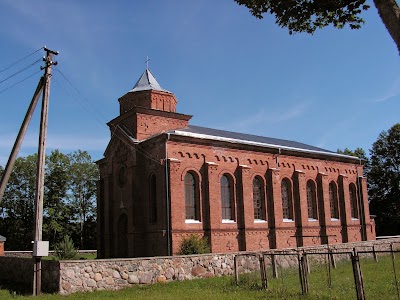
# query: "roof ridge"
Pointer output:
{"type": "Point", "coordinates": [253, 138]}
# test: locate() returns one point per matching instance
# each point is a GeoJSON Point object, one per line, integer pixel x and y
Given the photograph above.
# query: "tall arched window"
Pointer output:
{"type": "Point", "coordinates": [258, 199]}
{"type": "Point", "coordinates": [153, 198]}
{"type": "Point", "coordinates": [122, 236]}
{"type": "Point", "coordinates": [287, 203]}
{"type": "Point", "coordinates": [227, 203]}
{"type": "Point", "coordinates": [353, 201]}
{"type": "Point", "coordinates": [191, 198]}
{"type": "Point", "coordinates": [311, 200]}
{"type": "Point", "coordinates": [333, 201]}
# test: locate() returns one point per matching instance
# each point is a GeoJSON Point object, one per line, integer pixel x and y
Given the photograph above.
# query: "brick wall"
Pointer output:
{"type": "Point", "coordinates": [209, 163]}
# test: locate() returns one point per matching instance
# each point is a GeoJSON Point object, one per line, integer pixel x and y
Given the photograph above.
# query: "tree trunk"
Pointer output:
{"type": "Point", "coordinates": [389, 12]}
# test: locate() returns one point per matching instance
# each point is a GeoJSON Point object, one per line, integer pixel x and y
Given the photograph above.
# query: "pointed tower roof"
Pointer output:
{"type": "Point", "coordinates": [147, 82]}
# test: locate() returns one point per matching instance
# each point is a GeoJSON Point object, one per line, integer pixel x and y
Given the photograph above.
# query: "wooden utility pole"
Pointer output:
{"type": "Point", "coordinates": [20, 137]}
{"type": "Point", "coordinates": [40, 169]}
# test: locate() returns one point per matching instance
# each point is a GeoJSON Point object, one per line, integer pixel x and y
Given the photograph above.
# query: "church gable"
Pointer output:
{"type": "Point", "coordinates": [119, 149]}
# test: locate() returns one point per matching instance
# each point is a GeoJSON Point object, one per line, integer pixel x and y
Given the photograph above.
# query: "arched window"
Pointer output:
{"type": "Point", "coordinates": [311, 200]}
{"type": "Point", "coordinates": [153, 198]}
{"type": "Point", "coordinates": [333, 201]}
{"type": "Point", "coordinates": [122, 236]}
{"type": "Point", "coordinates": [353, 201]}
{"type": "Point", "coordinates": [258, 199]}
{"type": "Point", "coordinates": [227, 203]}
{"type": "Point", "coordinates": [287, 203]}
{"type": "Point", "coordinates": [191, 198]}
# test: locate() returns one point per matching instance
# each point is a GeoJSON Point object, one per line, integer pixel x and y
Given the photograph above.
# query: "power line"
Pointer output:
{"type": "Point", "coordinates": [2, 91]}
{"type": "Point", "coordinates": [80, 94]}
{"type": "Point", "coordinates": [13, 64]}
{"type": "Point", "coordinates": [20, 71]}
{"type": "Point", "coordinates": [139, 148]}
{"type": "Point", "coordinates": [101, 122]}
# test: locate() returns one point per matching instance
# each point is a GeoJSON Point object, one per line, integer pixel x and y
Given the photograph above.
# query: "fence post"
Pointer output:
{"type": "Point", "coordinates": [303, 273]}
{"type": "Point", "coordinates": [263, 271]}
{"type": "Point", "coordinates": [358, 280]}
{"type": "Point", "coordinates": [299, 259]}
{"type": "Point", "coordinates": [374, 253]}
{"type": "Point", "coordinates": [332, 259]}
{"type": "Point", "coordinates": [308, 264]}
{"type": "Point", "coordinates": [236, 270]}
{"type": "Point", "coordinates": [274, 266]}
{"type": "Point", "coordinates": [394, 270]}
{"type": "Point", "coordinates": [392, 250]}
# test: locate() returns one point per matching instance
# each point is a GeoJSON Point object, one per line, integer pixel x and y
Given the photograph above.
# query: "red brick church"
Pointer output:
{"type": "Point", "coordinates": [162, 179]}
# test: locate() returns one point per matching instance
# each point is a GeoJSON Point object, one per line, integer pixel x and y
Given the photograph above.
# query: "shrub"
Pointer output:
{"type": "Point", "coordinates": [65, 249]}
{"type": "Point", "coordinates": [194, 245]}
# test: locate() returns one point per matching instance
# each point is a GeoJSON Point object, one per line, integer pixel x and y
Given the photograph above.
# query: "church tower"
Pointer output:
{"type": "Point", "coordinates": [148, 93]}
{"type": "Point", "coordinates": [148, 109]}
{"type": "Point", "coordinates": [132, 198]}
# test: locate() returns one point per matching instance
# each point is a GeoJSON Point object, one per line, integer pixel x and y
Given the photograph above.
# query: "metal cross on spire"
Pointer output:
{"type": "Point", "coordinates": [147, 63]}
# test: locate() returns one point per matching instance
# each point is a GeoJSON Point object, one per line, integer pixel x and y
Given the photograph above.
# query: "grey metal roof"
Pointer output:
{"type": "Point", "coordinates": [147, 82]}
{"type": "Point", "coordinates": [243, 138]}
{"type": "Point", "coordinates": [2, 238]}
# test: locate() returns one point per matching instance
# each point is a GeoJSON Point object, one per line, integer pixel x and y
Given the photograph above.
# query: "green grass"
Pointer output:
{"type": "Point", "coordinates": [378, 280]}
{"type": "Point", "coordinates": [78, 256]}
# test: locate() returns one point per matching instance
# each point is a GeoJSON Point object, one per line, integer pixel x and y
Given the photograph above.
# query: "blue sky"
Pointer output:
{"type": "Point", "coordinates": [334, 89]}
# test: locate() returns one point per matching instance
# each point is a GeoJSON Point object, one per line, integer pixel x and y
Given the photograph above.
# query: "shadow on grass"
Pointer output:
{"type": "Point", "coordinates": [15, 288]}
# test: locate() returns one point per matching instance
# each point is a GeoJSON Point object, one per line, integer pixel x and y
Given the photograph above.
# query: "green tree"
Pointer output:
{"type": "Point", "coordinates": [18, 205]}
{"type": "Point", "coordinates": [308, 16]}
{"type": "Point", "coordinates": [384, 181]}
{"type": "Point", "coordinates": [358, 152]}
{"type": "Point", "coordinates": [56, 211]}
{"type": "Point", "coordinates": [65, 249]}
{"type": "Point", "coordinates": [82, 193]}
{"type": "Point", "coordinates": [2, 210]}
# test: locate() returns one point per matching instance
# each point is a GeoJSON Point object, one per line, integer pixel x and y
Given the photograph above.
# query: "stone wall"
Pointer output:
{"type": "Point", "coordinates": [67, 277]}
{"type": "Point", "coordinates": [113, 274]}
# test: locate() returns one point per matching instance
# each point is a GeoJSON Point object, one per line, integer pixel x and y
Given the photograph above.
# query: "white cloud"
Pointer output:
{"type": "Point", "coordinates": [393, 91]}
{"type": "Point", "coordinates": [264, 117]}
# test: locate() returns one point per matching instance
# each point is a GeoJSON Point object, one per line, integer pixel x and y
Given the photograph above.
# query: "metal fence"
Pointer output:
{"type": "Point", "coordinates": [340, 274]}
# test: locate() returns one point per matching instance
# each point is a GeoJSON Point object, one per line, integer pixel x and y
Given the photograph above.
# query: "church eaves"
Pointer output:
{"type": "Point", "coordinates": [147, 82]}
{"type": "Point", "coordinates": [249, 139]}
